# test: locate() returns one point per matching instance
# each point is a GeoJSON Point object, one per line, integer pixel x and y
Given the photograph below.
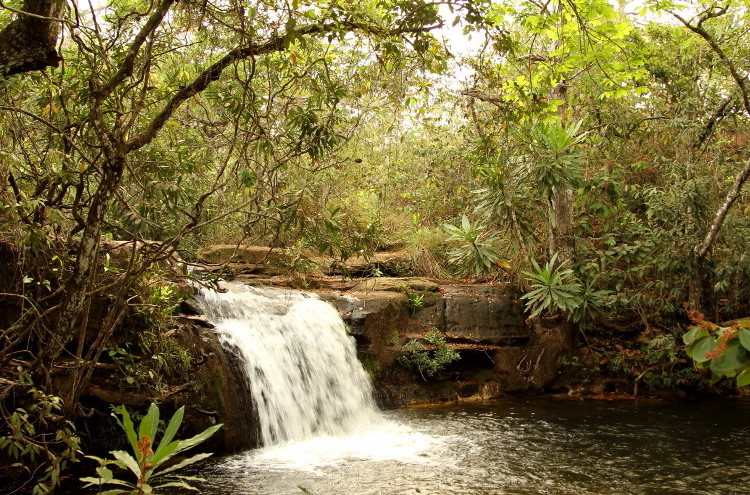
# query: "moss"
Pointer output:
{"type": "Point", "coordinates": [212, 388]}
{"type": "Point", "coordinates": [372, 365]}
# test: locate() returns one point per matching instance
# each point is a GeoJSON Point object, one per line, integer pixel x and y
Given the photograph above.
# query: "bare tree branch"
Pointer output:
{"type": "Point", "coordinates": [126, 69]}
{"type": "Point", "coordinates": [721, 214]}
{"type": "Point", "coordinates": [704, 246]}
{"type": "Point", "coordinates": [698, 29]}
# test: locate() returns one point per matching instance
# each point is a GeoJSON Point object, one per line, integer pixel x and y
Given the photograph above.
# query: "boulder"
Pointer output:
{"type": "Point", "coordinates": [490, 314]}
{"type": "Point", "coordinates": [214, 391]}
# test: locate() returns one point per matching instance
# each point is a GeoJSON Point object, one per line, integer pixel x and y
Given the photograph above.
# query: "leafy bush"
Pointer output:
{"type": "Point", "coordinates": [427, 359]}
{"type": "Point", "coordinates": [145, 462]}
{"type": "Point", "coordinates": [25, 436]}
{"type": "Point", "coordinates": [723, 350]}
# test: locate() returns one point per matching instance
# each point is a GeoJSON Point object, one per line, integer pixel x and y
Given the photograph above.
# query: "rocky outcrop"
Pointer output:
{"type": "Point", "coordinates": [489, 314]}
{"type": "Point", "coordinates": [500, 351]}
{"type": "Point", "coordinates": [233, 253]}
{"type": "Point", "coordinates": [395, 284]}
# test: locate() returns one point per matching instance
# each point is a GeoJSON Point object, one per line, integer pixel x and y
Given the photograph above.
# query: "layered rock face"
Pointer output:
{"type": "Point", "coordinates": [500, 352]}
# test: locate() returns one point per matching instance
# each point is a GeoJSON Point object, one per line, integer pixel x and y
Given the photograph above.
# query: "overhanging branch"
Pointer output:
{"type": "Point", "coordinates": [29, 42]}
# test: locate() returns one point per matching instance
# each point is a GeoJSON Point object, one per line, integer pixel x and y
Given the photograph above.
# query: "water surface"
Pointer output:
{"type": "Point", "coordinates": [518, 446]}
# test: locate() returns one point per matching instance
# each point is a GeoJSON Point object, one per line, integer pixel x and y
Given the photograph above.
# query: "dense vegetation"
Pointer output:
{"type": "Point", "coordinates": [593, 157]}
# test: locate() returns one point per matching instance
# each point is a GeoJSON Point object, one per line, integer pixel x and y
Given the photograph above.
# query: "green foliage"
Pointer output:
{"type": "Point", "coordinates": [414, 303]}
{"type": "Point", "coordinates": [26, 438]}
{"type": "Point", "coordinates": [371, 365]}
{"type": "Point", "coordinates": [556, 162]}
{"type": "Point", "coordinates": [150, 362]}
{"type": "Point", "coordinates": [474, 254]}
{"type": "Point", "coordinates": [553, 289]}
{"type": "Point", "coordinates": [427, 359]}
{"type": "Point", "coordinates": [651, 363]}
{"type": "Point", "coordinates": [723, 350]}
{"type": "Point", "coordinates": [147, 457]}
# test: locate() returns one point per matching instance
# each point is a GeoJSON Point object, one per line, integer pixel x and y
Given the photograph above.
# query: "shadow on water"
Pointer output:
{"type": "Point", "coordinates": [517, 446]}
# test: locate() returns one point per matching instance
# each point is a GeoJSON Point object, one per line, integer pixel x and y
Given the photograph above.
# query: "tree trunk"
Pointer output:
{"type": "Point", "coordinates": [29, 42]}
{"type": "Point", "coordinates": [77, 285]}
{"type": "Point", "coordinates": [563, 239]}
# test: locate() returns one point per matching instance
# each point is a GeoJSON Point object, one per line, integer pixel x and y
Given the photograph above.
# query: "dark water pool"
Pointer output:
{"type": "Point", "coordinates": [515, 446]}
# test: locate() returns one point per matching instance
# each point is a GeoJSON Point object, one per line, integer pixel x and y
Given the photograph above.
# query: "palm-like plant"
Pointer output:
{"type": "Point", "coordinates": [145, 462]}
{"type": "Point", "coordinates": [553, 289]}
{"type": "Point", "coordinates": [474, 253]}
{"type": "Point", "coordinates": [558, 162]}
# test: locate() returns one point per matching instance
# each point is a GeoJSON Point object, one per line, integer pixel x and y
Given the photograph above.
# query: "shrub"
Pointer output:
{"type": "Point", "coordinates": [427, 360]}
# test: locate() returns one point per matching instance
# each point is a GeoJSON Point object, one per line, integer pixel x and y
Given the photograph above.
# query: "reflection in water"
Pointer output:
{"type": "Point", "coordinates": [515, 446]}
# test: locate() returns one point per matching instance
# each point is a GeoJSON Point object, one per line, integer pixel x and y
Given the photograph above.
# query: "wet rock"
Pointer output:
{"type": "Point", "coordinates": [376, 319]}
{"type": "Point", "coordinates": [410, 394]}
{"type": "Point", "coordinates": [214, 391]}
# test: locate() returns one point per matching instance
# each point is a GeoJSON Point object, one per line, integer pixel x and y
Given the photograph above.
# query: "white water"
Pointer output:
{"type": "Point", "coordinates": [302, 367]}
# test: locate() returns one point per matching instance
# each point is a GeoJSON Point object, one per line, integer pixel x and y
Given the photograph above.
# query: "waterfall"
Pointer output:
{"type": "Point", "coordinates": [301, 366]}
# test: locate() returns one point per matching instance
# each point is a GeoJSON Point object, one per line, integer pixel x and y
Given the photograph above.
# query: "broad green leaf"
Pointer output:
{"type": "Point", "coordinates": [128, 461]}
{"type": "Point", "coordinates": [164, 453]}
{"type": "Point", "coordinates": [149, 424]}
{"type": "Point", "coordinates": [169, 433]}
{"type": "Point", "coordinates": [700, 348]}
{"type": "Point", "coordinates": [745, 338]}
{"type": "Point", "coordinates": [177, 484]}
{"type": "Point", "coordinates": [200, 437]}
{"type": "Point", "coordinates": [184, 462]}
{"type": "Point", "coordinates": [694, 334]}
{"type": "Point", "coordinates": [127, 425]}
{"type": "Point", "coordinates": [743, 378]}
{"type": "Point", "coordinates": [104, 473]}
{"type": "Point", "coordinates": [715, 378]}
{"type": "Point", "coordinates": [733, 358]}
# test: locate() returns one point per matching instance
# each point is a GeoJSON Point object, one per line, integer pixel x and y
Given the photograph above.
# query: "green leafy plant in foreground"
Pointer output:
{"type": "Point", "coordinates": [145, 462]}
{"type": "Point", "coordinates": [723, 350]}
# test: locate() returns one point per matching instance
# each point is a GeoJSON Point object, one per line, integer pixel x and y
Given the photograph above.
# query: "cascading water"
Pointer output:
{"type": "Point", "coordinates": [301, 366]}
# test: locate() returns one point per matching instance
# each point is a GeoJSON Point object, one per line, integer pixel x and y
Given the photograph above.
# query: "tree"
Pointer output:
{"type": "Point", "coordinates": [85, 141]}
{"type": "Point", "coordinates": [536, 74]}
{"type": "Point", "coordinates": [698, 25]}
